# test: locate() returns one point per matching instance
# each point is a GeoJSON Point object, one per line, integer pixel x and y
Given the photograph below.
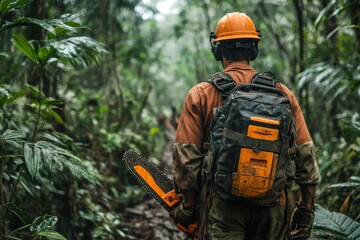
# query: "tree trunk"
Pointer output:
{"type": "Point", "coordinates": [354, 12]}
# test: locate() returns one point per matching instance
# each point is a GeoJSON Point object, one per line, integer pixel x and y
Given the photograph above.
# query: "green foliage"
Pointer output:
{"type": "Point", "coordinates": [107, 224]}
{"type": "Point", "coordinates": [45, 155]}
{"type": "Point", "coordinates": [333, 225]}
{"type": "Point", "coordinates": [11, 5]}
{"type": "Point", "coordinates": [75, 97]}
{"type": "Point", "coordinates": [79, 51]}
{"type": "Point", "coordinates": [30, 161]}
{"type": "Point", "coordinates": [338, 163]}
{"type": "Point", "coordinates": [13, 138]}
{"type": "Point", "coordinates": [351, 205]}
{"type": "Point", "coordinates": [25, 47]}
{"type": "Point", "coordinates": [354, 183]}
{"type": "Point", "coordinates": [41, 227]}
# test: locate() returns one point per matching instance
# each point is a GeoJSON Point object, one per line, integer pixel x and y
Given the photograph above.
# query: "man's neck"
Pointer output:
{"type": "Point", "coordinates": [227, 62]}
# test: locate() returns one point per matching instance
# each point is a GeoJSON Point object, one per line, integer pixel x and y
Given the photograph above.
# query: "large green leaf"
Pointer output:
{"type": "Point", "coordinates": [45, 53]}
{"type": "Point", "coordinates": [25, 47]}
{"type": "Point", "coordinates": [56, 151]}
{"type": "Point", "coordinates": [43, 223]}
{"type": "Point", "coordinates": [335, 224]}
{"type": "Point", "coordinates": [50, 234]}
{"type": "Point", "coordinates": [48, 25]}
{"type": "Point", "coordinates": [47, 155]}
{"type": "Point", "coordinates": [79, 171]}
{"type": "Point", "coordinates": [345, 184]}
{"type": "Point", "coordinates": [4, 92]}
{"type": "Point", "coordinates": [12, 137]}
{"type": "Point", "coordinates": [9, 5]}
{"type": "Point", "coordinates": [32, 159]}
{"type": "Point", "coordinates": [79, 51]}
{"type": "Point", "coordinates": [330, 81]}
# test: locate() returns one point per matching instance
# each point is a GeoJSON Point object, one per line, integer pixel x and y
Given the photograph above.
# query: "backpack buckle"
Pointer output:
{"type": "Point", "coordinates": [266, 79]}
{"type": "Point", "coordinates": [256, 148]}
{"type": "Point", "coordinates": [222, 81]}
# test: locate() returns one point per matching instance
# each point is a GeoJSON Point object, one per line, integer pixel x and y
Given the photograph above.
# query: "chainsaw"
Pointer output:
{"type": "Point", "coordinates": [157, 184]}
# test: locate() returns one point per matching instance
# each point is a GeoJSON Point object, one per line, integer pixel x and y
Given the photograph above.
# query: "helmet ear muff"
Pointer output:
{"type": "Point", "coordinates": [215, 47]}
{"type": "Point", "coordinates": [217, 52]}
{"type": "Point", "coordinates": [254, 52]}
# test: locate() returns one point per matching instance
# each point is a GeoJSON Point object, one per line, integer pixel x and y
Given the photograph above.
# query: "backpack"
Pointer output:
{"type": "Point", "coordinates": [250, 136]}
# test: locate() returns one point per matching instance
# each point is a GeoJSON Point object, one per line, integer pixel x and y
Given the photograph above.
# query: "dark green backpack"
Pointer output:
{"type": "Point", "coordinates": [249, 141]}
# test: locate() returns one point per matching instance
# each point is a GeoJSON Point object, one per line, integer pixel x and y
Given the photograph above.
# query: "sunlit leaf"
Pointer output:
{"type": "Point", "coordinates": [11, 135]}
{"type": "Point", "coordinates": [32, 159]}
{"type": "Point", "coordinates": [5, 92]}
{"type": "Point", "coordinates": [56, 150]}
{"type": "Point", "coordinates": [341, 28]}
{"type": "Point", "coordinates": [56, 116]}
{"type": "Point", "coordinates": [25, 47]}
{"type": "Point", "coordinates": [346, 184]}
{"type": "Point", "coordinates": [43, 223]}
{"type": "Point", "coordinates": [35, 91]}
{"type": "Point", "coordinates": [58, 139]}
{"type": "Point", "coordinates": [355, 179]}
{"type": "Point", "coordinates": [45, 53]}
{"type": "Point", "coordinates": [26, 186]}
{"type": "Point", "coordinates": [4, 55]}
{"type": "Point", "coordinates": [50, 234]}
{"type": "Point", "coordinates": [79, 51]}
{"type": "Point", "coordinates": [79, 172]}
{"type": "Point", "coordinates": [153, 131]}
{"type": "Point", "coordinates": [9, 5]}
{"type": "Point", "coordinates": [323, 12]}
{"type": "Point", "coordinates": [13, 138]}
{"type": "Point", "coordinates": [48, 25]}
{"type": "Point", "coordinates": [50, 157]}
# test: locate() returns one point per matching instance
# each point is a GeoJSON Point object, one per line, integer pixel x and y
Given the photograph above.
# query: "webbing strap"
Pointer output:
{"type": "Point", "coordinates": [223, 82]}
{"type": "Point", "coordinates": [265, 78]}
{"type": "Point", "coordinates": [255, 144]}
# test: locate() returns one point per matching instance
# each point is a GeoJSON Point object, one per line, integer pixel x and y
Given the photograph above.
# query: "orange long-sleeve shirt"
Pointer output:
{"type": "Point", "coordinates": [194, 127]}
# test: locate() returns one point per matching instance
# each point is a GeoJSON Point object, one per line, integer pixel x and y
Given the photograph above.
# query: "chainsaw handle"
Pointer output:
{"type": "Point", "coordinates": [191, 230]}
{"type": "Point", "coordinates": [171, 198]}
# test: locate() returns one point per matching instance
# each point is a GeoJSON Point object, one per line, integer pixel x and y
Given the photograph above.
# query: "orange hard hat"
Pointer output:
{"type": "Point", "coordinates": [235, 26]}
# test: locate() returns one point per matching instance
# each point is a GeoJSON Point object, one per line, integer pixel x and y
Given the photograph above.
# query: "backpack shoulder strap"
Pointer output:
{"type": "Point", "coordinates": [265, 78]}
{"type": "Point", "coordinates": [223, 82]}
{"type": "Point", "coordinates": [265, 82]}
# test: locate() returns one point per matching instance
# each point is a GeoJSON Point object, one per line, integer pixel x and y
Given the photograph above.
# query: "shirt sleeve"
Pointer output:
{"type": "Point", "coordinates": [188, 145]}
{"type": "Point", "coordinates": [307, 171]}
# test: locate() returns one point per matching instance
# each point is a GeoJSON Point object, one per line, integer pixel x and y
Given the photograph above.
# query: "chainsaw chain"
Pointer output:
{"type": "Point", "coordinates": [127, 158]}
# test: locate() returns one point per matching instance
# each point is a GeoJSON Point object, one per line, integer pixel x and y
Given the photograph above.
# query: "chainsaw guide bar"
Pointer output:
{"type": "Point", "coordinates": [152, 179]}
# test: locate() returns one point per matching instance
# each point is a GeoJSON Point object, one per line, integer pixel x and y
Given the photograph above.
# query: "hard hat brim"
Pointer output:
{"type": "Point", "coordinates": [229, 36]}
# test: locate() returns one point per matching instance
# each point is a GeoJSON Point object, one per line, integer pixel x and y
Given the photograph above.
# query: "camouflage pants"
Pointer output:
{"type": "Point", "coordinates": [228, 221]}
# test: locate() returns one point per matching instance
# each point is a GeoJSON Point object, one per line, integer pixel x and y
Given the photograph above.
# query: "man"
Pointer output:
{"type": "Point", "coordinates": [235, 44]}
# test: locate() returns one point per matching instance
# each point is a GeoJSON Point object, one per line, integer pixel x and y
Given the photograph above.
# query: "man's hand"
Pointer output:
{"type": "Point", "coordinates": [183, 216]}
{"type": "Point", "coordinates": [301, 222]}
